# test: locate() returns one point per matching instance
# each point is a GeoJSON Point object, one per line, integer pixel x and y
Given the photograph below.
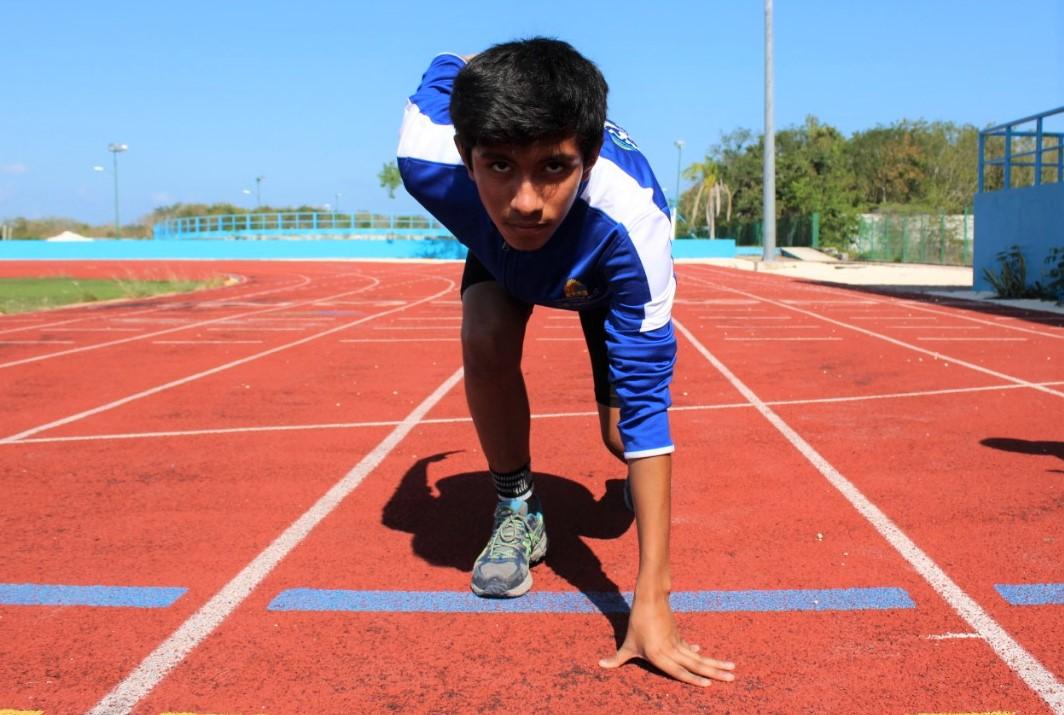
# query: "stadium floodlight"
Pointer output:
{"type": "Point", "coordinates": [258, 191]}
{"type": "Point", "coordinates": [336, 206]}
{"type": "Point", "coordinates": [676, 203]}
{"type": "Point", "coordinates": [116, 149]}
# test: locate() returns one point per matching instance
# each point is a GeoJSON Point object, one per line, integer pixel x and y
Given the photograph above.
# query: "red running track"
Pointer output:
{"type": "Point", "coordinates": [305, 428]}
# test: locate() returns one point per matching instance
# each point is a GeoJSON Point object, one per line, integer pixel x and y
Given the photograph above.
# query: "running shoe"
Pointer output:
{"type": "Point", "coordinates": [518, 540]}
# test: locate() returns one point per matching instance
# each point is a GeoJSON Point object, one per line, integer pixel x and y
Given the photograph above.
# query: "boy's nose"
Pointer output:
{"type": "Point", "coordinates": [526, 200]}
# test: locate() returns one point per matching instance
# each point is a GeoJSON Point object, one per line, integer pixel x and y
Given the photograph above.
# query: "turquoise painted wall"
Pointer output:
{"type": "Point", "coordinates": [1031, 218]}
{"type": "Point", "coordinates": [281, 249]}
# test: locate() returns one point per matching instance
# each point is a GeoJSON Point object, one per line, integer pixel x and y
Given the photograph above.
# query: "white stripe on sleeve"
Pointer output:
{"type": "Point", "coordinates": [420, 138]}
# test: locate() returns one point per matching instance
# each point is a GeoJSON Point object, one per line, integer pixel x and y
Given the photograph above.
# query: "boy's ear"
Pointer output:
{"type": "Point", "coordinates": [467, 156]}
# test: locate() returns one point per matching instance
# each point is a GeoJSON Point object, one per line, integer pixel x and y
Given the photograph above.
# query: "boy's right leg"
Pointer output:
{"type": "Point", "coordinates": [493, 336]}
{"type": "Point", "coordinates": [493, 332]}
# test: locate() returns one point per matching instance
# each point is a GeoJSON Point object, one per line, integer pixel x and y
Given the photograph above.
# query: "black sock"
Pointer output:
{"type": "Point", "coordinates": [514, 485]}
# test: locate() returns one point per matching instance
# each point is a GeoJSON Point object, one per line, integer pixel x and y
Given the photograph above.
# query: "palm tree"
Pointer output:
{"type": "Point", "coordinates": [706, 176]}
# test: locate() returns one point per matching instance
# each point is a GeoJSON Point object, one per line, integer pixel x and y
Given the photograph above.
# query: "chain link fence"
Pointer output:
{"type": "Point", "coordinates": [915, 238]}
{"type": "Point", "coordinates": [790, 231]}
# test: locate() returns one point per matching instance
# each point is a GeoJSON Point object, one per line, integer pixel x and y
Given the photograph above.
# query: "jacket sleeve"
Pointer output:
{"type": "Point", "coordinates": [429, 163]}
{"type": "Point", "coordinates": [639, 334]}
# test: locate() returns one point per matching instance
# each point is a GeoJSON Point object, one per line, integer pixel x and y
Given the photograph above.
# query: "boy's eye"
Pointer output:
{"type": "Point", "coordinates": [554, 167]}
{"type": "Point", "coordinates": [499, 166]}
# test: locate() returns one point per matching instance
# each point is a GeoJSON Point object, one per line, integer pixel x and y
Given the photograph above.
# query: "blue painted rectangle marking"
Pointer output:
{"type": "Point", "coordinates": [33, 594]}
{"type": "Point", "coordinates": [842, 599]}
{"type": "Point", "coordinates": [1033, 594]}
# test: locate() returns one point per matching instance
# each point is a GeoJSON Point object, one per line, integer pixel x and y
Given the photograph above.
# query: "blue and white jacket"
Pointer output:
{"type": "Point", "coordinates": [613, 247]}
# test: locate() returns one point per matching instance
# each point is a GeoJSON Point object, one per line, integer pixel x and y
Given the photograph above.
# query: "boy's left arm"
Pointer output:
{"type": "Point", "coordinates": [642, 350]}
{"type": "Point", "coordinates": [652, 633]}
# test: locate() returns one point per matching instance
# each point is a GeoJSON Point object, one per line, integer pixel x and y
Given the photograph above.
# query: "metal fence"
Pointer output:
{"type": "Point", "coordinates": [921, 238]}
{"type": "Point", "coordinates": [790, 231]}
{"type": "Point", "coordinates": [1023, 152]}
{"type": "Point", "coordinates": [298, 224]}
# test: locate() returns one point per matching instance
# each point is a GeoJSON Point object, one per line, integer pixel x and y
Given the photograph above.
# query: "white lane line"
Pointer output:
{"type": "Point", "coordinates": [205, 373]}
{"type": "Point", "coordinates": [716, 301]}
{"type": "Point", "coordinates": [787, 340]}
{"type": "Point", "coordinates": [972, 340]}
{"type": "Point", "coordinates": [206, 342]}
{"type": "Point", "coordinates": [414, 327]}
{"type": "Point", "coordinates": [953, 636]}
{"type": "Point", "coordinates": [92, 312]}
{"type": "Point", "coordinates": [92, 316]}
{"type": "Point", "coordinates": [94, 330]}
{"type": "Point", "coordinates": [535, 416]}
{"type": "Point", "coordinates": [228, 303]}
{"type": "Point", "coordinates": [368, 303]}
{"type": "Point", "coordinates": [744, 318]}
{"type": "Point", "coordinates": [399, 340]}
{"type": "Point", "coordinates": [937, 327]}
{"type": "Point", "coordinates": [37, 342]}
{"type": "Point", "coordinates": [825, 301]}
{"type": "Point", "coordinates": [252, 329]}
{"type": "Point", "coordinates": [561, 340]}
{"type": "Point", "coordinates": [903, 344]}
{"type": "Point", "coordinates": [434, 317]}
{"type": "Point", "coordinates": [158, 664]}
{"type": "Point", "coordinates": [157, 333]}
{"type": "Point", "coordinates": [732, 326]}
{"type": "Point", "coordinates": [889, 317]}
{"type": "Point", "coordinates": [1026, 666]}
{"type": "Point", "coordinates": [146, 322]}
{"type": "Point", "coordinates": [315, 320]}
{"type": "Point", "coordinates": [982, 321]}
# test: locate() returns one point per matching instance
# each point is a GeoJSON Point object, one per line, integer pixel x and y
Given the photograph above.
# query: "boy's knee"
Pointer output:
{"type": "Point", "coordinates": [489, 347]}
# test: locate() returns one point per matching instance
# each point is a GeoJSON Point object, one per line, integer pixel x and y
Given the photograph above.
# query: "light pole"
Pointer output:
{"type": "Point", "coordinates": [336, 205]}
{"type": "Point", "coordinates": [115, 150]}
{"type": "Point", "coordinates": [258, 191]}
{"type": "Point", "coordinates": [676, 204]}
{"type": "Point", "coordinates": [768, 209]}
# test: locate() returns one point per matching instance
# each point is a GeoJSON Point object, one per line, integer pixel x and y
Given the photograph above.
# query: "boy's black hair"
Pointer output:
{"type": "Point", "coordinates": [527, 91]}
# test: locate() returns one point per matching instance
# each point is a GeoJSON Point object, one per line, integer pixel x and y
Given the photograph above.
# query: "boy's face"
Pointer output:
{"type": "Point", "coordinates": [528, 190]}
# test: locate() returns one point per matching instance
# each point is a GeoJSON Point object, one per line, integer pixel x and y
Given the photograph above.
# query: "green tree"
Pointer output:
{"type": "Point", "coordinates": [887, 164]}
{"type": "Point", "coordinates": [390, 178]}
{"type": "Point", "coordinates": [814, 175]}
{"type": "Point", "coordinates": [709, 194]}
{"type": "Point", "coordinates": [951, 166]}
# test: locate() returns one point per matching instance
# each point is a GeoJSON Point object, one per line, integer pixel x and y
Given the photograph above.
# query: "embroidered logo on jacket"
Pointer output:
{"type": "Point", "coordinates": [575, 289]}
{"type": "Point", "coordinates": [620, 137]}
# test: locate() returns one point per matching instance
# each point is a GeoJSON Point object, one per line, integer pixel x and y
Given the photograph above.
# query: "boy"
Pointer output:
{"type": "Point", "coordinates": [513, 153]}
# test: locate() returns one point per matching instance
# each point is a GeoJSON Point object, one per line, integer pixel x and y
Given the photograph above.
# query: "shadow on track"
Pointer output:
{"type": "Point", "coordinates": [1023, 446]}
{"type": "Point", "coordinates": [452, 526]}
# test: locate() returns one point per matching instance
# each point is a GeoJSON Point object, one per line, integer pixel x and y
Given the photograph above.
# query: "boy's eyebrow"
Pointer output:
{"type": "Point", "coordinates": [496, 154]}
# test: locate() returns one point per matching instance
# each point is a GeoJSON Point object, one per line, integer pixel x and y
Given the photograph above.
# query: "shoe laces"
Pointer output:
{"type": "Point", "coordinates": [510, 532]}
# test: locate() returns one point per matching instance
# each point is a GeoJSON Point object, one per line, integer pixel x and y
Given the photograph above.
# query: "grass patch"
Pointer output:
{"type": "Point", "coordinates": [20, 295]}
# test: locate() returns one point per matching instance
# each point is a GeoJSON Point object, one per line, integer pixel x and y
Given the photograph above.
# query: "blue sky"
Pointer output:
{"type": "Point", "coordinates": [209, 95]}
